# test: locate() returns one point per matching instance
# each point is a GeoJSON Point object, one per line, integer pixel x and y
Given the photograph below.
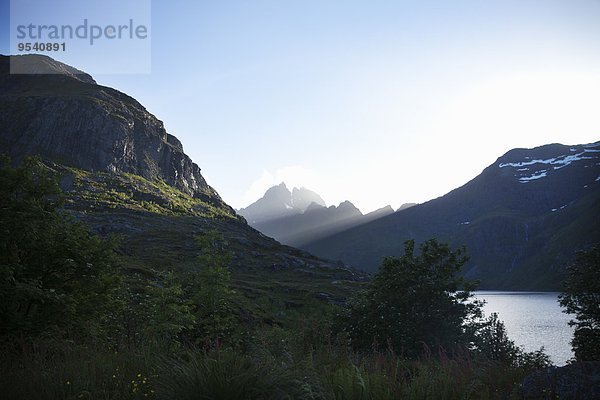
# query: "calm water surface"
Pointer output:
{"type": "Point", "coordinates": [532, 320]}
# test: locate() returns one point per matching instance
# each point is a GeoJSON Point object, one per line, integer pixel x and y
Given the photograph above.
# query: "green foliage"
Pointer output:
{"type": "Point", "coordinates": [211, 292]}
{"type": "Point", "coordinates": [51, 371]}
{"type": "Point", "coordinates": [491, 342]}
{"type": "Point", "coordinates": [98, 190]}
{"type": "Point", "coordinates": [414, 300]}
{"type": "Point", "coordinates": [581, 297]}
{"type": "Point", "coordinates": [276, 366]}
{"type": "Point", "coordinates": [55, 276]}
{"type": "Point", "coordinates": [150, 311]}
{"type": "Point", "coordinates": [60, 286]}
{"type": "Point", "coordinates": [213, 250]}
{"type": "Point", "coordinates": [214, 375]}
{"type": "Point", "coordinates": [351, 382]}
{"type": "Point", "coordinates": [170, 313]}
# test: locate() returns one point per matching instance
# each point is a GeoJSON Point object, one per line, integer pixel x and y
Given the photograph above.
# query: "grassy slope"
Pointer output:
{"type": "Point", "coordinates": [158, 224]}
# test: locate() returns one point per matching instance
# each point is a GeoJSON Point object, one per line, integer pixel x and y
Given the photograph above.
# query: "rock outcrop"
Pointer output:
{"type": "Point", "coordinates": [576, 381]}
{"type": "Point", "coordinates": [61, 114]}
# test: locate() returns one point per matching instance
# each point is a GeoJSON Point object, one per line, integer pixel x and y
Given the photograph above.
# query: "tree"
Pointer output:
{"type": "Point", "coordinates": [150, 310]}
{"type": "Point", "coordinates": [55, 276]}
{"type": "Point", "coordinates": [581, 297]}
{"type": "Point", "coordinates": [412, 301]}
{"type": "Point", "coordinates": [211, 291]}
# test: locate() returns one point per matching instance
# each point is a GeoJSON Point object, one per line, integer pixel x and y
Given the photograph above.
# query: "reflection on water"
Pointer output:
{"type": "Point", "coordinates": [533, 319]}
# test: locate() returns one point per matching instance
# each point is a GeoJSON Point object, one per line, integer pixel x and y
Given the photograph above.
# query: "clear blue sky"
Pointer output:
{"type": "Point", "coordinates": [378, 102]}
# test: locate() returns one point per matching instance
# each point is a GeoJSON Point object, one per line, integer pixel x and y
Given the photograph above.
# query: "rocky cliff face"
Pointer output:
{"type": "Point", "coordinates": [63, 115]}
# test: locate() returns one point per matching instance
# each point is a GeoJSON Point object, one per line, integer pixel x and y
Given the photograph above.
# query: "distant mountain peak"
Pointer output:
{"type": "Point", "coordinates": [302, 198]}
{"type": "Point", "coordinates": [383, 210]}
{"type": "Point", "coordinates": [314, 206]}
{"type": "Point", "coordinates": [379, 213]}
{"type": "Point", "coordinates": [404, 206]}
{"type": "Point", "coordinates": [278, 202]}
{"type": "Point", "coordinates": [301, 215]}
{"type": "Point", "coordinates": [348, 206]}
{"type": "Point", "coordinates": [280, 189]}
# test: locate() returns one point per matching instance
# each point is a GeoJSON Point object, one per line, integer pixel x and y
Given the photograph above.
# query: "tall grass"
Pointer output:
{"type": "Point", "coordinates": [48, 371]}
{"type": "Point", "coordinates": [276, 365]}
{"type": "Point", "coordinates": [197, 375]}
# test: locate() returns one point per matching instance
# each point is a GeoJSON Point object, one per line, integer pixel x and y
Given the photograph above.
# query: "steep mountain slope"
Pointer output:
{"type": "Point", "coordinates": [298, 217]}
{"type": "Point", "coordinates": [123, 173]}
{"type": "Point", "coordinates": [522, 219]}
{"type": "Point", "coordinates": [71, 119]}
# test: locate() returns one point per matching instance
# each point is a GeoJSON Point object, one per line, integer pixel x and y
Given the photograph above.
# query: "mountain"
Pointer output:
{"type": "Point", "coordinates": [316, 221]}
{"type": "Point", "coordinates": [278, 202]}
{"type": "Point", "coordinates": [522, 220]}
{"type": "Point", "coordinates": [64, 115]}
{"type": "Point", "coordinates": [300, 216]}
{"type": "Point", "coordinates": [405, 206]}
{"type": "Point", "coordinates": [302, 198]}
{"type": "Point", "coordinates": [379, 213]}
{"type": "Point", "coordinates": [123, 173]}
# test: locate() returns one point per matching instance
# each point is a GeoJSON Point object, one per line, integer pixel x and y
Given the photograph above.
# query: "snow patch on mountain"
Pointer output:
{"type": "Point", "coordinates": [530, 169]}
{"type": "Point", "coordinates": [562, 161]}
{"type": "Point", "coordinates": [538, 175]}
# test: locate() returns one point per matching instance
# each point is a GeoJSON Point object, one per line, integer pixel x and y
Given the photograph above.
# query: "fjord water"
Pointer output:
{"type": "Point", "coordinates": [532, 320]}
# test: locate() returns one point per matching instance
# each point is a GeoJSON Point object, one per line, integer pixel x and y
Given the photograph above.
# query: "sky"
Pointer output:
{"type": "Point", "coordinates": [377, 102]}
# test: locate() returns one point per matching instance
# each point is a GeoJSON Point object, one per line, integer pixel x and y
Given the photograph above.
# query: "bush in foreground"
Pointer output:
{"type": "Point", "coordinates": [581, 297]}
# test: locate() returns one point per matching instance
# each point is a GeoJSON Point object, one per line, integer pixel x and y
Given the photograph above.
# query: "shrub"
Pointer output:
{"type": "Point", "coordinates": [581, 297]}
{"type": "Point", "coordinates": [412, 301]}
{"type": "Point", "coordinates": [56, 277]}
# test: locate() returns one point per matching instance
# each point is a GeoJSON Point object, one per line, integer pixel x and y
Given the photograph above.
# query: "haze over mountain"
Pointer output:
{"type": "Point", "coordinates": [278, 202]}
{"type": "Point", "coordinates": [300, 216]}
{"type": "Point", "coordinates": [522, 219]}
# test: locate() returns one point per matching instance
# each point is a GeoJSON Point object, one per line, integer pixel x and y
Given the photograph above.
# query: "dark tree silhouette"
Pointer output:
{"type": "Point", "coordinates": [581, 297]}
{"type": "Point", "coordinates": [414, 300]}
